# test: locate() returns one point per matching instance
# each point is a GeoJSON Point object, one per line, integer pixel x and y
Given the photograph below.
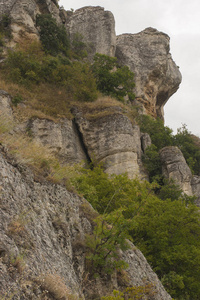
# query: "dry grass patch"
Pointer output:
{"type": "Point", "coordinates": [55, 286]}
{"type": "Point", "coordinates": [43, 100]}
{"type": "Point", "coordinates": [42, 162]}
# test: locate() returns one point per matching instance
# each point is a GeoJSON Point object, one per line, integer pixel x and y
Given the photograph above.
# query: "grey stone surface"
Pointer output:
{"type": "Point", "coordinates": [5, 107]}
{"type": "Point", "coordinates": [43, 226]}
{"type": "Point", "coordinates": [195, 184]}
{"type": "Point", "coordinates": [61, 138]}
{"type": "Point", "coordinates": [23, 15]}
{"type": "Point", "coordinates": [97, 26]}
{"type": "Point", "coordinates": [156, 75]}
{"type": "Point", "coordinates": [145, 141]}
{"type": "Point", "coordinates": [175, 167]}
{"type": "Point", "coordinates": [112, 140]}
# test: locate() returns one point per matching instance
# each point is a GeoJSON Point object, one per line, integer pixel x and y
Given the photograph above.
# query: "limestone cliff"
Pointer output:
{"type": "Point", "coordinates": [97, 27]}
{"type": "Point", "coordinates": [146, 53]}
{"type": "Point", "coordinates": [157, 77]}
{"type": "Point", "coordinates": [43, 226]}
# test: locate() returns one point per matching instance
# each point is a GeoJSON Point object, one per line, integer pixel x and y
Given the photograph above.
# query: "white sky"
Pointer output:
{"type": "Point", "coordinates": [180, 19]}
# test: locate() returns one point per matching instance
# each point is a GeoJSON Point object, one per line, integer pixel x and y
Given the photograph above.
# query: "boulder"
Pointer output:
{"type": "Point", "coordinates": [175, 167]}
{"type": "Point", "coordinates": [97, 26]}
{"type": "Point", "coordinates": [157, 77]}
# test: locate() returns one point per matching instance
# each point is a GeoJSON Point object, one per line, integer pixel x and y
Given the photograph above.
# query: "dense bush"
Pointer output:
{"type": "Point", "coordinates": [53, 37]}
{"type": "Point", "coordinates": [167, 230]}
{"type": "Point", "coordinates": [162, 136]}
{"type": "Point", "coordinates": [112, 79]}
{"type": "Point", "coordinates": [5, 29]}
{"type": "Point", "coordinates": [31, 66]}
{"type": "Point", "coordinates": [191, 151]}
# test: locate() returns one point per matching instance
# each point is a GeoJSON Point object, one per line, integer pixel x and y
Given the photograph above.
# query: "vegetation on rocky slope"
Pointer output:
{"type": "Point", "coordinates": [160, 220]}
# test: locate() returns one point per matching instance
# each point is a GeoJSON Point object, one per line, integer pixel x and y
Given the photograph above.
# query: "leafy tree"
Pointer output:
{"type": "Point", "coordinates": [110, 234]}
{"type": "Point", "coordinates": [166, 230]}
{"type": "Point", "coordinates": [53, 37]}
{"type": "Point", "coordinates": [161, 135]}
{"type": "Point", "coordinates": [112, 79]}
{"type": "Point", "coordinates": [191, 151]}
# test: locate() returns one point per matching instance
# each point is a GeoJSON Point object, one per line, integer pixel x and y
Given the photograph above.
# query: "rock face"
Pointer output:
{"type": "Point", "coordinates": [195, 184]}
{"type": "Point", "coordinates": [61, 138]}
{"type": "Point", "coordinates": [5, 108]}
{"type": "Point", "coordinates": [97, 26]}
{"type": "Point", "coordinates": [23, 15]}
{"type": "Point", "coordinates": [157, 77]}
{"type": "Point", "coordinates": [175, 167]}
{"type": "Point", "coordinates": [42, 232]}
{"type": "Point", "coordinates": [113, 141]}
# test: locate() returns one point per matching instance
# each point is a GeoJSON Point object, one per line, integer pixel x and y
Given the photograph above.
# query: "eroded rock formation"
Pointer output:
{"type": "Point", "coordinates": [23, 16]}
{"type": "Point", "coordinates": [174, 166]}
{"type": "Point", "coordinates": [157, 77]}
{"type": "Point", "coordinates": [97, 27]}
{"type": "Point", "coordinates": [61, 138]}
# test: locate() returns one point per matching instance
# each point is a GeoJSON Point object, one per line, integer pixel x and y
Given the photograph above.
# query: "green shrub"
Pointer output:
{"type": "Point", "coordinates": [110, 234]}
{"type": "Point", "coordinates": [186, 143]}
{"type": "Point", "coordinates": [112, 79]}
{"type": "Point", "coordinates": [31, 66]}
{"type": "Point", "coordinates": [5, 26]}
{"type": "Point", "coordinates": [53, 37]}
{"type": "Point", "coordinates": [166, 230]}
{"type": "Point", "coordinates": [78, 46]}
{"type": "Point", "coordinates": [17, 99]}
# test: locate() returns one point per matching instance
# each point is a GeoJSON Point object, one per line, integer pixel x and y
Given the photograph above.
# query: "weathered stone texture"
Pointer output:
{"type": "Point", "coordinates": [44, 225]}
{"type": "Point", "coordinates": [97, 26]}
{"type": "Point", "coordinates": [195, 184]}
{"type": "Point", "coordinates": [61, 138]}
{"type": "Point", "coordinates": [156, 75]}
{"type": "Point", "coordinates": [145, 141]}
{"type": "Point", "coordinates": [23, 16]}
{"type": "Point", "coordinates": [113, 140]}
{"type": "Point", "coordinates": [175, 167]}
{"type": "Point", "coordinates": [5, 108]}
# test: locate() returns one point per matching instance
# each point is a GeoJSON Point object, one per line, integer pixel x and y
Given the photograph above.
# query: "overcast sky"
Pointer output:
{"type": "Point", "coordinates": [180, 19]}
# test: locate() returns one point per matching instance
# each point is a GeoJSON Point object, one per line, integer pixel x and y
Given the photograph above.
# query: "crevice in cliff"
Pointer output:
{"type": "Point", "coordinates": [81, 139]}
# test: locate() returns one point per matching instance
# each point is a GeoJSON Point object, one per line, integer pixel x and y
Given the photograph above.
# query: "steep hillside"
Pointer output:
{"type": "Point", "coordinates": [72, 100]}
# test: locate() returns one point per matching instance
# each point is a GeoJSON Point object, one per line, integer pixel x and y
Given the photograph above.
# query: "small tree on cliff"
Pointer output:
{"type": "Point", "coordinates": [111, 78]}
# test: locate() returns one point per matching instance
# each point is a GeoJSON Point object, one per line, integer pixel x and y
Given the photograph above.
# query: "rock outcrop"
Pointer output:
{"type": "Point", "coordinates": [23, 16]}
{"type": "Point", "coordinates": [175, 167]}
{"type": "Point", "coordinates": [157, 77]}
{"type": "Point", "coordinates": [42, 234]}
{"type": "Point", "coordinates": [112, 140]}
{"type": "Point", "coordinates": [61, 138]}
{"type": "Point", "coordinates": [97, 27]}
